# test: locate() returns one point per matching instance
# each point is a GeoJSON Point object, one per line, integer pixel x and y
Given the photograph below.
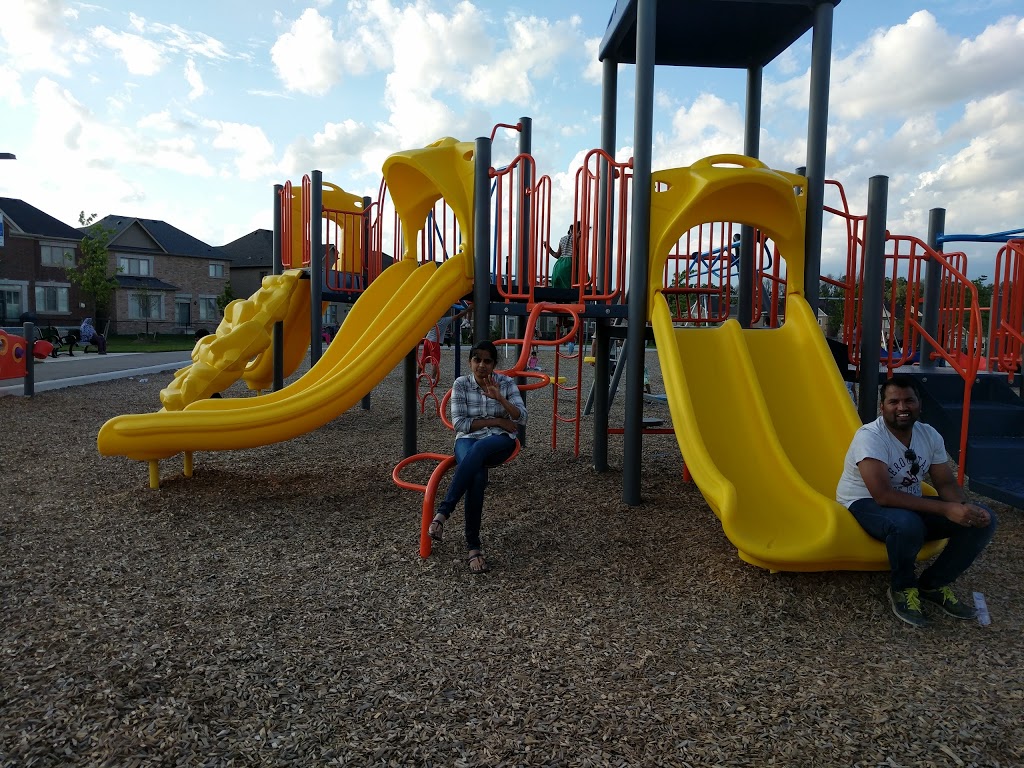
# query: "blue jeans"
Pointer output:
{"type": "Point", "coordinates": [474, 456]}
{"type": "Point", "coordinates": [905, 532]}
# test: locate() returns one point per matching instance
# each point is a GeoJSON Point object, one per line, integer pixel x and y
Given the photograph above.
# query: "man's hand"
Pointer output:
{"type": "Point", "coordinates": [967, 514]}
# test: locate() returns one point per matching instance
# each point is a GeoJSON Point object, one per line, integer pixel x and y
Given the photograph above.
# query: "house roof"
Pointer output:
{"type": "Point", "coordinates": [255, 249]}
{"type": "Point", "coordinates": [711, 33]}
{"type": "Point", "coordinates": [135, 282]}
{"type": "Point", "coordinates": [29, 220]}
{"type": "Point", "coordinates": [169, 239]}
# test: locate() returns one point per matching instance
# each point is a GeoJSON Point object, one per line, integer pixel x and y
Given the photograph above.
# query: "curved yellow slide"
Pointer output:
{"type": "Point", "coordinates": [259, 373]}
{"type": "Point", "coordinates": [762, 416]}
{"type": "Point", "coordinates": [384, 328]}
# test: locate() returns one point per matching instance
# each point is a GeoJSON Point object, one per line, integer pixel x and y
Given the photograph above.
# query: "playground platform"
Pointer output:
{"type": "Point", "coordinates": [61, 372]}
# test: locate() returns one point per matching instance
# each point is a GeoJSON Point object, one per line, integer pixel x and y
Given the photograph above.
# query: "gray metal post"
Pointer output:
{"type": "Point", "coordinates": [817, 138]}
{"type": "Point", "coordinates": [367, 202]}
{"type": "Point", "coordinates": [871, 304]}
{"type": "Point", "coordinates": [409, 400]}
{"type": "Point", "coordinates": [481, 240]}
{"type": "Point", "coordinates": [609, 96]}
{"type": "Point", "coordinates": [751, 148]}
{"type": "Point", "coordinates": [524, 278]}
{"type": "Point", "coordinates": [932, 287]}
{"type": "Point", "coordinates": [316, 267]}
{"type": "Point", "coordinates": [640, 246]}
{"type": "Point", "coordinates": [277, 268]}
{"type": "Point", "coordinates": [29, 330]}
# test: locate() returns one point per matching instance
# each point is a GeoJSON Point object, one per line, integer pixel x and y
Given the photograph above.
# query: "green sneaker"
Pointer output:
{"type": "Point", "coordinates": [947, 601]}
{"type": "Point", "coordinates": [906, 604]}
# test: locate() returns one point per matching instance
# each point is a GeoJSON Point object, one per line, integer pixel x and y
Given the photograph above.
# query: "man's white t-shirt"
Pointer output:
{"type": "Point", "coordinates": [875, 441]}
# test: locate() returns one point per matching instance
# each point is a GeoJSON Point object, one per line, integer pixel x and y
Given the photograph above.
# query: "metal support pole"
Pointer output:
{"type": "Point", "coordinates": [871, 305]}
{"type": "Point", "coordinates": [640, 247]}
{"type": "Point", "coordinates": [525, 276]}
{"type": "Point", "coordinates": [29, 330]}
{"type": "Point", "coordinates": [751, 148]}
{"type": "Point", "coordinates": [316, 267]}
{"type": "Point", "coordinates": [932, 288]}
{"type": "Point", "coordinates": [277, 268]}
{"type": "Point", "coordinates": [609, 96]}
{"type": "Point", "coordinates": [817, 137]}
{"type": "Point", "coordinates": [409, 405]}
{"type": "Point", "coordinates": [481, 241]}
{"type": "Point", "coordinates": [367, 202]}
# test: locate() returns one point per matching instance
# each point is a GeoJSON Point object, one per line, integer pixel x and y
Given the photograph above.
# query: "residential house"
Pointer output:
{"type": "Point", "coordinates": [36, 248]}
{"type": "Point", "coordinates": [168, 280]}
{"type": "Point", "coordinates": [252, 258]}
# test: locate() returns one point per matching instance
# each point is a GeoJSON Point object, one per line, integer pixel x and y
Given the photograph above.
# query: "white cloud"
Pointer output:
{"type": "Point", "coordinates": [195, 80]}
{"type": "Point", "coordinates": [306, 57]}
{"type": "Point", "coordinates": [254, 152]}
{"type": "Point", "coordinates": [35, 36]}
{"type": "Point", "coordinates": [923, 66]}
{"type": "Point", "coordinates": [140, 55]}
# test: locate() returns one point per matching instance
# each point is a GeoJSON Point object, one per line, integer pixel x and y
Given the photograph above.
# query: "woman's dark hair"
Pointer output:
{"type": "Point", "coordinates": [485, 346]}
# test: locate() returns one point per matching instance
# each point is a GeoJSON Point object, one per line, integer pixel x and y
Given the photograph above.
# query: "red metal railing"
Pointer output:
{"type": "Point", "coordinates": [1006, 315]}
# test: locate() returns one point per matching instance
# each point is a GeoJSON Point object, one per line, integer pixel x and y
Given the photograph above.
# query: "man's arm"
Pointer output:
{"type": "Point", "coordinates": [951, 505]}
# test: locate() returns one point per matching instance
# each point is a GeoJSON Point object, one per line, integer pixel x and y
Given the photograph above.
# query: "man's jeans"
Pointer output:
{"type": "Point", "coordinates": [905, 532]}
{"type": "Point", "coordinates": [474, 457]}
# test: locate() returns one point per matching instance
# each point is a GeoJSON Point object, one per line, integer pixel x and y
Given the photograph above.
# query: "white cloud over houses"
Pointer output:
{"type": "Point", "coordinates": [306, 57]}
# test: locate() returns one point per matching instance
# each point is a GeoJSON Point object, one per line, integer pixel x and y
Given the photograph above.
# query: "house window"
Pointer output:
{"type": "Point", "coordinates": [216, 270]}
{"type": "Point", "coordinates": [57, 255]}
{"type": "Point", "coordinates": [208, 308]}
{"type": "Point", "coordinates": [52, 299]}
{"type": "Point", "coordinates": [145, 306]}
{"type": "Point", "coordinates": [132, 265]}
{"type": "Point", "coordinates": [11, 305]}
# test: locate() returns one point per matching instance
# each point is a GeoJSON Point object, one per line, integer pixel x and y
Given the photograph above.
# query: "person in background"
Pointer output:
{"type": "Point", "coordinates": [487, 410]}
{"type": "Point", "coordinates": [87, 334]}
{"type": "Point", "coordinates": [881, 486]}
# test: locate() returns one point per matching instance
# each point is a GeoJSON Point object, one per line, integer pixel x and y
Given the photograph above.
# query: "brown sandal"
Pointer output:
{"type": "Point", "coordinates": [436, 529]}
{"type": "Point", "coordinates": [477, 564]}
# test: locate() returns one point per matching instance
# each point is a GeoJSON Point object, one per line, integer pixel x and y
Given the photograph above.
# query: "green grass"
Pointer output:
{"type": "Point", "coordinates": [163, 343]}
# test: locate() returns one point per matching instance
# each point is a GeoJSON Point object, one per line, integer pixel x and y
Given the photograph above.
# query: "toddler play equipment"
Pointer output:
{"type": "Point", "coordinates": [761, 415]}
{"type": "Point", "coordinates": [385, 324]}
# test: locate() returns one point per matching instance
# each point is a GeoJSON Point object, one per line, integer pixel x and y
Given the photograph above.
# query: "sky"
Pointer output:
{"type": "Point", "coordinates": [190, 112]}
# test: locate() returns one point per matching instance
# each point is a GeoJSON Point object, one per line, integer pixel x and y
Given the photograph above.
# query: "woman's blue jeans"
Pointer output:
{"type": "Point", "coordinates": [474, 456]}
{"type": "Point", "coordinates": [905, 532]}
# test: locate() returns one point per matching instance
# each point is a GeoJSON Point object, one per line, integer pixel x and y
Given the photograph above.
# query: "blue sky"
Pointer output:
{"type": "Point", "coordinates": [189, 112]}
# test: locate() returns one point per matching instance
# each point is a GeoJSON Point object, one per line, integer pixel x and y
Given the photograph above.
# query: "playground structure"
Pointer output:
{"type": "Point", "coordinates": [641, 228]}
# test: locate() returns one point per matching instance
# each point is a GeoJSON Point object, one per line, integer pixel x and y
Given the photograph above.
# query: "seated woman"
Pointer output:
{"type": "Point", "coordinates": [88, 334]}
{"type": "Point", "coordinates": [487, 409]}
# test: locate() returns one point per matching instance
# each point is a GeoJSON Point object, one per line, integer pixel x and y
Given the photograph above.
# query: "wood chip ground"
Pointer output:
{"type": "Point", "coordinates": [272, 610]}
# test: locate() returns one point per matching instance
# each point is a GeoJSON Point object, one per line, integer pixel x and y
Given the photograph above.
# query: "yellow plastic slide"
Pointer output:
{"type": "Point", "coordinates": [380, 330]}
{"type": "Point", "coordinates": [218, 359]}
{"type": "Point", "coordinates": [762, 416]}
{"type": "Point", "coordinates": [259, 373]}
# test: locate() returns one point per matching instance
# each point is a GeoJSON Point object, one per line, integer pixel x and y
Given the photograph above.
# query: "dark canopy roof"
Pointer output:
{"type": "Point", "coordinates": [136, 282]}
{"type": "Point", "coordinates": [711, 33]}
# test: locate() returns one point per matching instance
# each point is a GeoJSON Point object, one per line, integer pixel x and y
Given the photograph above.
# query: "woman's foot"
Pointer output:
{"type": "Point", "coordinates": [476, 561]}
{"type": "Point", "coordinates": [436, 529]}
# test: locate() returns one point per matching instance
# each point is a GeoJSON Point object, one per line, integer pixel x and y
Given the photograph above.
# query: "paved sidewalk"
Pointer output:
{"type": "Point", "coordinates": [64, 371]}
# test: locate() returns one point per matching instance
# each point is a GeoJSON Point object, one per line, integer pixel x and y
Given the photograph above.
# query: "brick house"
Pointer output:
{"type": "Point", "coordinates": [168, 282]}
{"type": "Point", "coordinates": [252, 259]}
{"type": "Point", "coordinates": [36, 248]}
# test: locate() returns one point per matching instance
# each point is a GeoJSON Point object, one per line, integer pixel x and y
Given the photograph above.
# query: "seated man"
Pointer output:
{"type": "Point", "coordinates": [881, 486]}
{"type": "Point", "coordinates": [89, 335]}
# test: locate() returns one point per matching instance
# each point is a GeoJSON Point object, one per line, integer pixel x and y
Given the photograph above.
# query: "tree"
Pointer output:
{"type": "Point", "coordinates": [93, 272]}
{"type": "Point", "coordinates": [833, 304]}
{"type": "Point", "coordinates": [226, 297]}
